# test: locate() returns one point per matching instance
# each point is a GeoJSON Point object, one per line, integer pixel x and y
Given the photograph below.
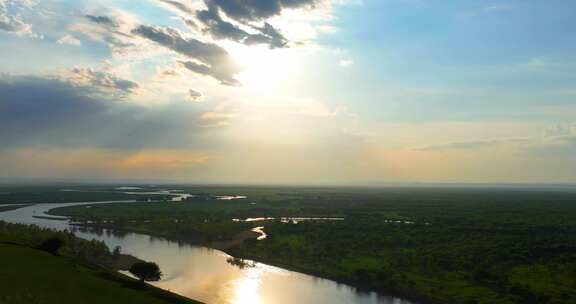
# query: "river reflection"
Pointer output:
{"type": "Point", "coordinates": [204, 274]}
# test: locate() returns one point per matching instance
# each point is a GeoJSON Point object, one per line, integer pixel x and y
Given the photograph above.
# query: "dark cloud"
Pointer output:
{"type": "Point", "coordinates": [257, 10]}
{"type": "Point", "coordinates": [221, 29]}
{"type": "Point", "coordinates": [209, 59]}
{"type": "Point", "coordinates": [178, 5]}
{"type": "Point", "coordinates": [268, 35]}
{"type": "Point", "coordinates": [190, 23]}
{"type": "Point", "coordinates": [103, 20]}
{"type": "Point", "coordinates": [218, 28]}
{"type": "Point", "coordinates": [37, 111]}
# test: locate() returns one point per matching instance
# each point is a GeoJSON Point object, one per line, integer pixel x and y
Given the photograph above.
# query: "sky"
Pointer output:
{"type": "Point", "coordinates": [352, 92]}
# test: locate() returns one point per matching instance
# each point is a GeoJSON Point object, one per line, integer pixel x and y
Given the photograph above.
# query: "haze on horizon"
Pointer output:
{"type": "Point", "coordinates": [285, 91]}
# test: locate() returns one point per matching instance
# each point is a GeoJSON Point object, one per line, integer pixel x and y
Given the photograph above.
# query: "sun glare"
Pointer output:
{"type": "Point", "coordinates": [264, 68]}
{"type": "Point", "coordinates": [247, 288]}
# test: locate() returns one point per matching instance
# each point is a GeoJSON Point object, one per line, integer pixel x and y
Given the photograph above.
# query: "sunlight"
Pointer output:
{"type": "Point", "coordinates": [247, 287]}
{"type": "Point", "coordinates": [265, 69]}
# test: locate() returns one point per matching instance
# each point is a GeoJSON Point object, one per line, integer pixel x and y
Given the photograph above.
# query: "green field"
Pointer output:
{"type": "Point", "coordinates": [459, 245]}
{"type": "Point", "coordinates": [78, 275]}
{"type": "Point", "coordinates": [31, 276]}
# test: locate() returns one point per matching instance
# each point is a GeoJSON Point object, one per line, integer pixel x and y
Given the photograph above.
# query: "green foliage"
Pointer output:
{"type": "Point", "coordinates": [146, 271]}
{"type": "Point", "coordinates": [35, 277]}
{"type": "Point", "coordinates": [52, 245]}
{"type": "Point", "coordinates": [88, 251]}
{"type": "Point", "coordinates": [51, 194]}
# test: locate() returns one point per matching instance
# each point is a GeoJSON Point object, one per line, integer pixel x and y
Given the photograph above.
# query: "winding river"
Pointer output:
{"type": "Point", "coordinates": [204, 274]}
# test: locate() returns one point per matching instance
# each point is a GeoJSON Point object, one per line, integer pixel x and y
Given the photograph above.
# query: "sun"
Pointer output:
{"type": "Point", "coordinates": [264, 69]}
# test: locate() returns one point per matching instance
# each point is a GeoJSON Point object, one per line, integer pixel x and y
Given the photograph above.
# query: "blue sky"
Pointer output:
{"type": "Point", "coordinates": [307, 91]}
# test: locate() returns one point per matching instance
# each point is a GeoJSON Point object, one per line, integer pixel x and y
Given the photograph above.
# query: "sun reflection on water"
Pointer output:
{"type": "Point", "coordinates": [247, 287]}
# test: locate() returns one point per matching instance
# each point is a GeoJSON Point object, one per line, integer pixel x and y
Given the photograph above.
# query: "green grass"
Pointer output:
{"type": "Point", "coordinates": [31, 276]}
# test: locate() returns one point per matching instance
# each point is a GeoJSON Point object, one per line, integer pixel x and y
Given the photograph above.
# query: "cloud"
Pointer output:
{"type": "Point", "coordinates": [215, 118]}
{"type": "Point", "coordinates": [498, 7]}
{"type": "Point", "coordinates": [208, 58]}
{"type": "Point", "coordinates": [560, 130]}
{"type": "Point", "coordinates": [102, 81]}
{"type": "Point", "coordinates": [69, 40]}
{"type": "Point", "coordinates": [465, 145]}
{"type": "Point", "coordinates": [255, 10]}
{"type": "Point", "coordinates": [178, 5]}
{"type": "Point", "coordinates": [194, 96]}
{"type": "Point", "coordinates": [12, 22]}
{"type": "Point", "coordinates": [114, 31]}
{"type": "Point", "coordinates": [345, 63]}
{"type": "Point", "coordinates": [100, 163]}
{"type": "Point", "coordinates": [55, 112]}
{"type": "Point", "coordinates": [558, 142]}
{"type": "Point", "coordinates": [220, 29]}
{"type": "Point", "coordinates": [103, 20]}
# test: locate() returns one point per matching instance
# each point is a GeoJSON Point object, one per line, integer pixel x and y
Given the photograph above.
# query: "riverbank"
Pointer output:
{"type": "Point", "coordinates": [407, 295]}
{"type": "Point", "coordinates": [9, 207]}
{"type": "Point", "coordinates": [190, 239]}
{"type": "Point", "coordinates": [36, 276]}
{"type": "Point", "coordinates": [228, 246]}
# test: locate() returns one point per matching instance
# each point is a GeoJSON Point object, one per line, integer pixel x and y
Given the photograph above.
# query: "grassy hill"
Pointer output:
{"type": "Point", "coordinates": [31, 276]}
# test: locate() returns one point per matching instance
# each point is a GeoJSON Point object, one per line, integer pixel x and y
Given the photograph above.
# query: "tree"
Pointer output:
{"type": "Point", "coordinates": [52, 245]}
{"type": "Point", "coordinates": [117, 251]}
{"type": "Point", "coordinates": [146, 271]}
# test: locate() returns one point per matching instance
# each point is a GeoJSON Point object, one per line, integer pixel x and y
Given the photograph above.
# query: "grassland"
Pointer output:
{"type": "Point", "coordinates": [460, 245]}
{"type": "Point", "coordinates": [33, 276]}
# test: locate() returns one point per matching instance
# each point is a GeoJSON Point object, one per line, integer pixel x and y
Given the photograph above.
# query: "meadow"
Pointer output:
{"type": "Point", "coordinates": [82, 272]}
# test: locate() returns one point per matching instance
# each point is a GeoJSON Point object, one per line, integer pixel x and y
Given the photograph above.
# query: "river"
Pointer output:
{"type": "Point", "coordinates": [204, 274]}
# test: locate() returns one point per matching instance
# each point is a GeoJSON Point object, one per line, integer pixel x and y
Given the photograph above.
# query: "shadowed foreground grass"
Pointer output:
{"type": "Point", "coordinates": [31, 276]}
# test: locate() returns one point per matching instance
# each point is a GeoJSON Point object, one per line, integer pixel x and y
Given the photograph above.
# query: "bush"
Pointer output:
{"type": "Point", "coordinates": [52, 245]}
{"type": "Point", "coordinates": [146, 271]}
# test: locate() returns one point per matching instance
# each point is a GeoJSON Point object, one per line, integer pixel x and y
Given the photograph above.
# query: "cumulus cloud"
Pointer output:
{"type": "Point", "coordinates": [114, 31]}
{"type": "Point", "coordinates": [11, 21]}
{"type": "Point", "coordinates": [207, 58]}
{"type": "Point", "coordinates": [69, 40]}
{"type": "Point", "coordinates": [102, 81]}
{"type": "Point", "coordinates": [14, 24]}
